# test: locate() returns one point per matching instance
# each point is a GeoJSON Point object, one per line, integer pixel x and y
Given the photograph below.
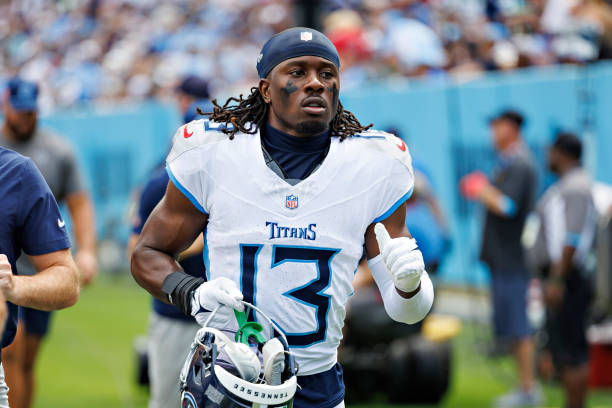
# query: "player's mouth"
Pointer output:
{"type": "Point", "coordinates": [314, 105]}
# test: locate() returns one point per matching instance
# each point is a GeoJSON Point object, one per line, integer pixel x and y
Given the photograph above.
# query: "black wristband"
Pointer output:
{"type": "Point", "coordinates": [178, 287]}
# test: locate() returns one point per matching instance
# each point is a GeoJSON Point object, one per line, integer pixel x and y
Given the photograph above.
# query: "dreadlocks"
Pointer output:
{"type": "Point", "coordinates": [250, 114]}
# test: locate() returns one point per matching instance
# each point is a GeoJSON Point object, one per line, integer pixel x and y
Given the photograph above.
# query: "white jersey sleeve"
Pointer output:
{"type": "Point", "coordinates": [396, 176]}
{"type": "Point", "coordinates": [187, 163]}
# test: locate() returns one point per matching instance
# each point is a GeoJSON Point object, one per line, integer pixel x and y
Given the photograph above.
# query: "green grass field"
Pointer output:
{"type": "Point", "coordinates": [88, 361]}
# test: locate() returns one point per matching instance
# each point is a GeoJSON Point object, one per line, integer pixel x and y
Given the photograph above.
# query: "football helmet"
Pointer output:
{"type": "Point", "coordinates": [223, 373]}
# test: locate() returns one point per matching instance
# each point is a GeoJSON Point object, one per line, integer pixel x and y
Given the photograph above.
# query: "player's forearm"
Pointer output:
{"type": "Point", "coordinates": [404, 310]}
{"type": "Point", "coordinates": [55, 287]}
{"type": "Point", "coordinates": [150, 267]}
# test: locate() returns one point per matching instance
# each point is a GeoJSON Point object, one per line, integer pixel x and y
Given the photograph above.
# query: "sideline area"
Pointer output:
{"type": "Point", "coordinates": [88, 359]}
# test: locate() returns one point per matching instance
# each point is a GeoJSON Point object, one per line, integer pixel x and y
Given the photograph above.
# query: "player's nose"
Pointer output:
{"type": "Point", "coordinates": [313, 82]}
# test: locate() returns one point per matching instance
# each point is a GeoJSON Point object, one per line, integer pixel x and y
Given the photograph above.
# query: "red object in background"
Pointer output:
{"type": "Point", "coordinates": [350, 42]}
{"type": "Point", "coordinates": [472, 184]}
{"type": "Point", "coordinates": [600, 365]}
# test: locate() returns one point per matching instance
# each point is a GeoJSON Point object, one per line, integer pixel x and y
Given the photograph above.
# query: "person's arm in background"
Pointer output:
{"type": "Point", "coordinates": [197, 247]}
{"type": "Point", "coordinates": [54, 286]}
{"type": "Point", "coordinates": [363, 276]}
{"type": "Point", "coordinates": [503, 201]}
{"type": "Point", "coordinates": [83, 218]}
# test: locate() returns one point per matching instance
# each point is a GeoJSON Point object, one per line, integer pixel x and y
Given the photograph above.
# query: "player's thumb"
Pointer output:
{"type": "Point", "coordinates": [382, 236]}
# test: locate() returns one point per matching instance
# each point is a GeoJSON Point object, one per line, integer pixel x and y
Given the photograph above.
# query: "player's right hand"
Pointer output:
{"type": "Point", "coordinates": [7, 283]}
{"type": "Point", "coordinates": [221, 292]}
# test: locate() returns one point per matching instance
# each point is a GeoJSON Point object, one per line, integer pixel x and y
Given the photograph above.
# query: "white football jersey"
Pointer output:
{"type": "Point", "coordinates": [292, 250]}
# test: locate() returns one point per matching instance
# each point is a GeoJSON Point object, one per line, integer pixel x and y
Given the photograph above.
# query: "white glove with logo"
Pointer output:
{"type": "Point", "coordinates": [402, 258]}
{"type": "Point", "coordinates": [221, 292]}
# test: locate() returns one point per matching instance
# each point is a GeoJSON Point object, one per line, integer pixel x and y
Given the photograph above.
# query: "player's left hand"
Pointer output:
{"type": "Point", "coordinates": [402, 258]}
{"type": "Point", "coordinates": [87, 264]}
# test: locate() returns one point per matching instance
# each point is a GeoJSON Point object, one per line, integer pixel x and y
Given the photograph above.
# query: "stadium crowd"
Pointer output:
{"type": "Point", "coordinates": [109, 50]}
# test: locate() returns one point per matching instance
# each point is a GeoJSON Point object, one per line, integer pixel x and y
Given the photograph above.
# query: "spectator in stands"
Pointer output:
{"type": "Point", "coordinates": [563, 250]}
{"type": "Point", "coordinates": [114, 50]}
{"type": "Point", "coordinates": [508, 198]}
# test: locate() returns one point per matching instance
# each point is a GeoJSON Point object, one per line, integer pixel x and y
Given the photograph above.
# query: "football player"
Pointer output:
{"type": "Point", "coordinates": [289, 187]}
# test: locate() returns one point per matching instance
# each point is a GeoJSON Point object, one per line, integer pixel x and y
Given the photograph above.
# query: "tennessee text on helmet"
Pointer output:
{"type": "Point", "coordinates": [207, 381]}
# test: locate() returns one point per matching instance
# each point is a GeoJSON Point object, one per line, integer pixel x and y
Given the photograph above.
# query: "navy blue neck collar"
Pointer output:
{"type": "Point", "coordinates": [295, 144]}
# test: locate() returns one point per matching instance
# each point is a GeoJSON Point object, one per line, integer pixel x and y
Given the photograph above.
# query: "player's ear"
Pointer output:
{"type": "Point", "coordinates": [264, 89]}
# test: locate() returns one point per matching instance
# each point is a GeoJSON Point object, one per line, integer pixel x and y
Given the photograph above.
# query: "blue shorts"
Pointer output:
{"type": "Point", "coordinates": [36, 321]}
{"type": "Point", "coordinates": [509, 301]}
{"type": "Point", "coordinates": [322, 390]}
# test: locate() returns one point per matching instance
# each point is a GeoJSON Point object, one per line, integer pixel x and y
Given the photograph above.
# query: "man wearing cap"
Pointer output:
{"type": "Point", "coordinates": [57, 162]}
{"type": "Point", "coordinates": [508, 199]}
{"type": "Point", "coordinates": [289, 187]}
{"type": "Point", "coordinates": [170, 330]}
{"type": "Point", "coordinates": [562, 250]}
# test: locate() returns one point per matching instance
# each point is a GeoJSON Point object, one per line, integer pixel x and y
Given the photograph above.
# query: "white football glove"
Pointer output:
{"type": "Point", "coordinates": [402, 258]}
{"type": "Point", "coordinates": [220, 292]}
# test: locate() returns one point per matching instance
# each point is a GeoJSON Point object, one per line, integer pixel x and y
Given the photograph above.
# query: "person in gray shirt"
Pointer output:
{"type": "Point", "coordinates": [57, 163]}
{"type": "Point", "coordinates": [561, 248]}
{"type": "Point", "coordinates": [508, 199]}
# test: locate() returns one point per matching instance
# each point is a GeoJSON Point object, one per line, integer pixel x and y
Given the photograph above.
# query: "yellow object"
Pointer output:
{"type": "Point", "coordinates": [441, 328]}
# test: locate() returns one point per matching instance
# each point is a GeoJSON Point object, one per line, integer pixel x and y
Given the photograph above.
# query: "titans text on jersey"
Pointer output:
{"type": "Point", "coordinates": [279, 231]}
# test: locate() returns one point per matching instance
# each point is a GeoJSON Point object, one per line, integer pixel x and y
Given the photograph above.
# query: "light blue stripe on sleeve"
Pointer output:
{"type": "Point", "coordinates": [394, 206]}
{"type": "Point", "coordinates": [507, 206]}
{"type": "Point", "coordinates": [183, 190]}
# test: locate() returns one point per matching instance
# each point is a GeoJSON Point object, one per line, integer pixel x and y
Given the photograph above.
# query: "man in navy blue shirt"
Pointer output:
{"type": "Point", "coordinates": [170, 330]}
{"type": "Point", "coordinates": [32, 223]}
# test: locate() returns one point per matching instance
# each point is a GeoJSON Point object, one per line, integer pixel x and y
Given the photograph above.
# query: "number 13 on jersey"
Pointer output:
{"type": "Point", "coordinates": [311, 294]}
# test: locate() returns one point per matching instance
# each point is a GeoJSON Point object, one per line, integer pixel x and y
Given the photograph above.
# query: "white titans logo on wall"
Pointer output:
{"type": "Point", "coordinates": [305, 36]}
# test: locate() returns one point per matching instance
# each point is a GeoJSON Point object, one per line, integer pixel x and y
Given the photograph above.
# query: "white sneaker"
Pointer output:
{"type": "Point", "coordinates": [521, 398]}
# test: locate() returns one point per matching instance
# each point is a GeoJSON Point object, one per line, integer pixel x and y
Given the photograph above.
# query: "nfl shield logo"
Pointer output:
{"type": "Point", "coordinates": [291, 202]}
{"type": "Point", "coordinates": [306, 36]}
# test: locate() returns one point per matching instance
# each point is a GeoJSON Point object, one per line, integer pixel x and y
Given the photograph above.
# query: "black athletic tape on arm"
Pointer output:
{"type": "Point", "coordinates": [178, 287]}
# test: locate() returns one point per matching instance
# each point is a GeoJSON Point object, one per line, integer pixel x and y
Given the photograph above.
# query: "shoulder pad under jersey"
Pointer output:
{"type": "Point", "coordinates": [194, 134]}
{"type": "Point", "coordinates": [386, 143]}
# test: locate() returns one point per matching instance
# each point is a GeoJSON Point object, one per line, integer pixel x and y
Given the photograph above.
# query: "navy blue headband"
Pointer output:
{"type": "Point", "coordinates": [295, 42]}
